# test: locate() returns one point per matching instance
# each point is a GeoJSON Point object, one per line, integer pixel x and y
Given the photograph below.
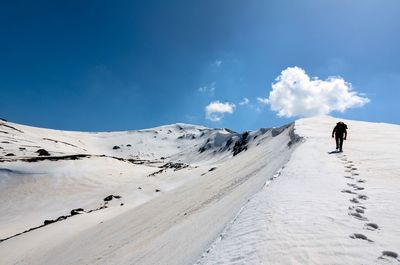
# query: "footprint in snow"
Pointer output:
{"type": "Point", "coordinates": [371, 226]}
{"type": "Point", "coordinates": [354, 200]}
{"type": "Point", "coordinates": [355, 186]}
{"type": "Point", "coordinates": [348, 191]}
{"type": "Point", "coordinates": [390, 254]}
{"type": "Point", "coordinates": [358, 216]}
{"type": "Point", "coordinates": [361, 181]}
{"type": "Point", "coordinates": [362, 197]}
{"type": "Point", "coordinates": [348, 177]}
{"type": "Point", "coordinates": [360, 236]}
{"type": "Point", "coordinates": [357, 209]}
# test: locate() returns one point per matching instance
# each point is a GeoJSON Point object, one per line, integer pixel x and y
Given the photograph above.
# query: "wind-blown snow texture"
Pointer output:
{"type": "Point", "coordinates": [185, 194]}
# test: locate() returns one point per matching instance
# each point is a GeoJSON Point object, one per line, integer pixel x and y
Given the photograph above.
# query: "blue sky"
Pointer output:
{"type": "Point", "coordinates": [116, 65]}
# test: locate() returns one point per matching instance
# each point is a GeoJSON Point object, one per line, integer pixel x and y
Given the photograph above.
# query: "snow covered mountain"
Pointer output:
{"type": "Point", "coordinates": [185, 194]}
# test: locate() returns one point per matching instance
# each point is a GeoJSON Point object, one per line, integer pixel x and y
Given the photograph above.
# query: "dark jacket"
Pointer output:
{"type": "Point", "coordinates": [340, 130]}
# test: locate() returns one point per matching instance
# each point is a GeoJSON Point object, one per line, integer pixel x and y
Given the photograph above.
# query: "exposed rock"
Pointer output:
{"type": "Point", "coordinates": [110, 197]}
{"type": "Point", "coordinates": [54, 158]}
{"type": "Point", "coordinates": [176, 166]}
{"type": "Point", "coordinates": [77, 211]}
{"type": "Point", "coordinates": [61, 218]}
{"type": "Point", "coordinates": [43, 152]}
{"type": "Point", "coordinates": [10, 154]}
{"type": "Point", "coordinates": [47, 222]}
{"type": "Point", "coordinates": [12, 128]}
{"type": "Point", "coordinates": [116, 147]}
{"type": "Point", "coordinates": [278, 131]}
{"type": "Point", "coordinates": [230, 131]}
{"type": "Point", "coordinates": [205, 146]}
{"type": "Point", "coordinates": [155, 173]}
{"type": "Point", "coordinates": [241, 144]}
{"type": "Point", "coordinates": [229, 142]}
{"type": "Point", "coordinates": [187, 136]}
{"type": "Point", "coordinates": [294, 138]}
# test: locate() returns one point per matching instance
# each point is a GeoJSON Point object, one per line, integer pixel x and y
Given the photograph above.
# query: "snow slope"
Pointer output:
{"type": "Point", "coordinates": [186, 194]}
{"type": "Point", "coordinates": [324, 208]}
{"type": "Point", "coordinates": [167, 182]}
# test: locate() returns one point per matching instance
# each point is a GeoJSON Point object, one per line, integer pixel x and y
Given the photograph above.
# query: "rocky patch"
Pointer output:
{"type": "Point", "coordinates": [42, 152]}
{"type": "Point", "coordinates": [241, 144]}
{"type": "Point", "coordinates": [110, 197]}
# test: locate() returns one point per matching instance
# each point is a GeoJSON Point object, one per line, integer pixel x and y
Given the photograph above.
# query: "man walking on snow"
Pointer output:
{"type": "Point", "coordinates": [340, 134]}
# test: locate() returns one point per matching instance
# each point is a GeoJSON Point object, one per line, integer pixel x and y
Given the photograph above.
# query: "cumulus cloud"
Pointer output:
{"type": "Point", "coordinates": [244, 102]}
{"type": "Point", "coordinates": [296, 94]}
{"type": "Point", "coordinates": [215, 110]}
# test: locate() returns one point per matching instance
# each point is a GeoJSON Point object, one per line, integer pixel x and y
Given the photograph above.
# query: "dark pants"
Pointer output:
{"type": "Point", "coordinates": [339, 142]}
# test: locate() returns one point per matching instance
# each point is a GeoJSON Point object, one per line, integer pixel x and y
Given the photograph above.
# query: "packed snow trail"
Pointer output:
{"type": "Point", "coordinates": [325, 207]}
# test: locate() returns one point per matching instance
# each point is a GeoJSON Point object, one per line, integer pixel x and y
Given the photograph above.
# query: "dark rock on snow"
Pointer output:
{"type": "Point", "coordinates": [110, 197]}
{"type": "Point", "coordinates": [77, 211]}
{"type": "Point", "coordinates": [43, 152]}
{"type": "Point", "coordinates": [241, 144]}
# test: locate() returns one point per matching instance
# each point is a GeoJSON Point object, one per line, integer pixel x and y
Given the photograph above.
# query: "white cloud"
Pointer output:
{"type": "Point", "coordinates": [215, 110]}
{"type": "Point", "coordinates": [245, 101]}
{"type": "Point", "coordinates": [209, 89]}
{"type": "Point", "coordinates": [296, 94]}
{"type": "Point", "coordinates": [262, 101]}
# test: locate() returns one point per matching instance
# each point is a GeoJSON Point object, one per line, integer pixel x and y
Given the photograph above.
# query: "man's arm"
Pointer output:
{"type": "Point", "coordinates": [345, 134]}
{"type": "Point", "coordinates": [333, 132]}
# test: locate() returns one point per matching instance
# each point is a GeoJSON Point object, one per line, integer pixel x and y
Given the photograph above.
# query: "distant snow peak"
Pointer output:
{"type": "Point", "coordinates": [296, 94]}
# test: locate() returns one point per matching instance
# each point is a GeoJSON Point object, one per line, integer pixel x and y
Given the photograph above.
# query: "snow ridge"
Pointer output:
{"type": "Point", "coordinates": [168, 177]}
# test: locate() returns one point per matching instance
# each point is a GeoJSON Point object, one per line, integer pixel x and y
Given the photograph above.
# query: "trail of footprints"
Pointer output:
{"type": "Point", "coordinates": [356, 208]}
